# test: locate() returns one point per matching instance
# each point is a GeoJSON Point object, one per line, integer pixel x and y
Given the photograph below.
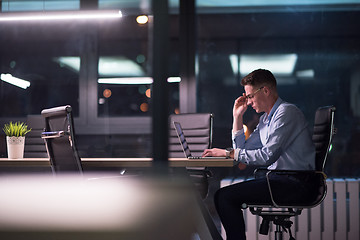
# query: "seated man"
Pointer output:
{"type": "Point", "coordinates": [281, 140]}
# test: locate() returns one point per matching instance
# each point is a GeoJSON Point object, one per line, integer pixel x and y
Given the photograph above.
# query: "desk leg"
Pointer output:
{"type": "Point", "coordinates": [206, 227]}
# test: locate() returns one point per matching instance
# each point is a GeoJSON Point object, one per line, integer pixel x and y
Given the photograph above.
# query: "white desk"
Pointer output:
{"type": "Point", "coordinates": [119, 162]}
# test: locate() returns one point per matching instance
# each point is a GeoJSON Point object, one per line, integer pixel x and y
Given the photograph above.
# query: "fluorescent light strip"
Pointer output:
{"type": "Point", "coordinates": [174, 79]}
{"type": "Point", "coordinates": [134, 80]}
{"type": "Point", "coordinates": [234, 61]}
{"type": "Point", "coordinates": [108, 66]}
{"type": "Point", "coordinates": [130, 80]}
{"type": "Point", "coordinates": [64, 15]}
{"type": "Point", "coordinates": [15, 81]}
{"type": "Point", "coordinates": [308, 73]}
{"type": "Point", "coordinates": [282, 64]}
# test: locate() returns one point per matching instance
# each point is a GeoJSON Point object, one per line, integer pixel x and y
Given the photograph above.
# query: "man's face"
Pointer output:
{"type": "Point", "coordinates": [255, 98]}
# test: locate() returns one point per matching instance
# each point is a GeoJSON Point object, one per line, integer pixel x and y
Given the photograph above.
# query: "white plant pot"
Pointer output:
{"type": "Point", "coordinates": [15, 147]}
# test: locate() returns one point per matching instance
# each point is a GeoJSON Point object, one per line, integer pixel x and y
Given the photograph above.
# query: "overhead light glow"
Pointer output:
{"type": "Point", "coordinates": [108, 66]}
{"type": "Point", "coordinates": [278, 64]}
{"type": "Point", "coordinates": [309, 73]}
{"type": "Point", "coordinates": [129, 80]}
{"type": "Point", "coordinates": [114, 70]}
{"type": "Point", "coordinates": [234, 63]}
{"type": "Point", "coordinates": [142, 19]}
{"type": "Point", "coordinates": [174, 79]}
{"type": "Point", "coordinates": [72, 63]}
{"type": "Point", "coordinates": [119, 66]}
{"type": "Point", "coordinates": [63, 15]}
{"type": "Point", "coordinates": [134, 80]}
{"type": "Point", "coordinates": [15, 81]}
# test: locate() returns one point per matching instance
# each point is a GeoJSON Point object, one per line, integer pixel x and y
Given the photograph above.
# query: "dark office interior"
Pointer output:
{"type": "Point", "coordinates": [312, 48]}
{"type": "Point", "coordinates": [323, 39]}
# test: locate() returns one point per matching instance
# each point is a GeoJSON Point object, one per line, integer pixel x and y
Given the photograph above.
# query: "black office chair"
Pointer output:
{"type": "Point", "coordinates": [197, 128]}
{"type": "Point", "coordinates": [280, 211]}
{"type": "Point", "coordinates": [59, 139]}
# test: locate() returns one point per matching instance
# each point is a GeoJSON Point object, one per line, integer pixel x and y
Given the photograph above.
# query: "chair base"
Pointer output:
{"type": "Point", "coordinates": [282, 223]}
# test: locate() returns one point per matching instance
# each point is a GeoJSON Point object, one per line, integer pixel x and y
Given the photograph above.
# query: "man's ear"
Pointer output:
{"type": "Point", "coordinates": [267, 91]}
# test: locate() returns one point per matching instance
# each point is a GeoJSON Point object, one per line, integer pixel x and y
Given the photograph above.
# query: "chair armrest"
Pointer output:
{"type": "Point", "coordinates": [56, 134]}
{"type": "Point", "coordinates": [297, 172]}
{"type": "Point", "coordinates": [260, 172]}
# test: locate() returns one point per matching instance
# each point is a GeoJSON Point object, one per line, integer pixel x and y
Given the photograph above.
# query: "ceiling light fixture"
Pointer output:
{"type": "Point", "coordinates": [308, 73]}
{"type": "Point", "coordinates": [115, 66]}
{"type": "Point", "coordinates": [134, 80]}
{"type": "Point", "coordinates": [278, 64]}
{"type": "Point", "coordinates": [142, 19]}
{"type": "Point", "coordinates": [63, 15]}
{"type": "Point", "coordinates": [15, 81]}
{"type": "Point", "coordinates": [234, 61]}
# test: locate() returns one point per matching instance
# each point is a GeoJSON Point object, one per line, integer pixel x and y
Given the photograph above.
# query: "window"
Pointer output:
{"type": "Point", "coordinates": [71, 63]}
{"type": "Point", "coordinates": [38, 61]}
{"type": "Point", "coordinates": [317, 51]}
{"type": "Point", "coordinates": [39, 5]}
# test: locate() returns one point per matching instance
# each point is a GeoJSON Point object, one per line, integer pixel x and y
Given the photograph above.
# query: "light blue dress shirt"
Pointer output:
{"type": "Point", "coordinates": [281, 140]}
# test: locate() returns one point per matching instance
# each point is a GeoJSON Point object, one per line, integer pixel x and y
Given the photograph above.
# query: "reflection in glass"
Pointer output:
{"type": "Point", "coordinates": [48, 84]}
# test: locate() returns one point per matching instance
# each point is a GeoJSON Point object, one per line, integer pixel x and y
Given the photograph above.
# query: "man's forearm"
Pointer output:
{"type": "Point", "coordinates": [237, 124]}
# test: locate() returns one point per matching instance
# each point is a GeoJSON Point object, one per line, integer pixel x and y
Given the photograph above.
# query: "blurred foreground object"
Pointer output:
{"type": "Point", "coordinates": [72, 207]}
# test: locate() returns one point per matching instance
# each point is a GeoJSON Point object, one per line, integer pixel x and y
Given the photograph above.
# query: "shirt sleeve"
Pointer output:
{"type": "Point", "coordinates": [239, 143]}
{"type": "Point", "coordinates": [238, 138]}
{"type": "Point", "coordinates": [285, 125]}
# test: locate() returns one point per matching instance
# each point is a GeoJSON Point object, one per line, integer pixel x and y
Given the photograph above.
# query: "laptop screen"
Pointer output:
{"type": "Point", "coordinates": [182, 139]}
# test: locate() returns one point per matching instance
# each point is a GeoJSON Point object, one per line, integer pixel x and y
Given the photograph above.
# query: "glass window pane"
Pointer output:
{"type": "Point", "coordinates": [39, 5]}
{"type": "Point", "coordinates": [124, 80]}
{"type": "Point", "coordinates": [29, 54]}
{"type": "Point", "coordinates": [124, 70]}
{"type": "Point", "coordinates": [134, 4]}
{"type": "Point", "coordinates": [124, 100]}
{"type": "Point", "coordinates": [314, 57]}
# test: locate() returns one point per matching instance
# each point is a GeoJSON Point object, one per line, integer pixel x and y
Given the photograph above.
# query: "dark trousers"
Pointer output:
{"type": "Point", "coordinates": [228, 200]}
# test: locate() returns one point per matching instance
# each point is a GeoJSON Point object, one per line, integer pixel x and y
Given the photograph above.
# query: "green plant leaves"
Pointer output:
{"type": "Point", "coordinates": [17, 129]}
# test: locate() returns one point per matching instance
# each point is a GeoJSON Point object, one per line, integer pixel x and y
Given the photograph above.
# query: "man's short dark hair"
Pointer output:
{"type": "Point", "coordinates": [258, 78]}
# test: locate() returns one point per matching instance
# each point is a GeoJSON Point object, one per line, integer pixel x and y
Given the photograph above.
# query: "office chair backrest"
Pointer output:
{"type": "Point", "coordinates": [34, 145]}
{"type": "Point", "coordinates": [197, 129]}
{"type": "Point", "coordinates": [322, 135]}
{"type": "Point", "coordinates": [59, 138]}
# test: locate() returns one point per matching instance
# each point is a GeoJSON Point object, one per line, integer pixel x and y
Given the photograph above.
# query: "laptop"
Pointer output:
{"type": "Point", "coordinates": [185, 145]}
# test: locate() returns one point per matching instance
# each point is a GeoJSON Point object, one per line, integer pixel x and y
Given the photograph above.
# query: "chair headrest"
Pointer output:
{"type": "Point", "coordinates": [62, 110]}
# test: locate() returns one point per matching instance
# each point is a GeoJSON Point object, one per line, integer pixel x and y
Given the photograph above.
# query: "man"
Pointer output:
{"type": "Point", "coordinates": [281, 140]}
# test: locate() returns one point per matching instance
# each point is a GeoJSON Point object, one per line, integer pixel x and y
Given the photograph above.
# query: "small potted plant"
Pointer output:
{"type": "Point", "coordinates": [15, 138]}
